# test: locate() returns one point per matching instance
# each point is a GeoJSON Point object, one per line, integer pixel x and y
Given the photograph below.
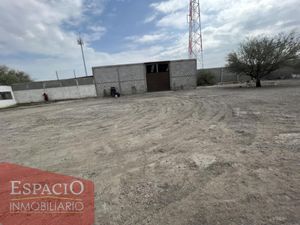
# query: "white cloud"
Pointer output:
{"type": "Point", "coordinates": [39, 32]}
{"type": "Point", "coordinates": [174, 13]}
{"type": "Point", "coordinates": [176, 20]}
{"type": "Point", "coordinates": [95, 33]}
{"type": "Point", "coordinates": [227, 22]}
{"type": "Point", "coordinates": [150, 18]}
{"type": "Point", "coordinates": [170, 6]}
{"type": "Point", "coordinates": [94, 7]}
{"type": "Point", "coordinates": [38, 29]}
{"type": "Point", "coordinates": [148, 38]}
{"type": "Point", "coordinates": [35, 27]}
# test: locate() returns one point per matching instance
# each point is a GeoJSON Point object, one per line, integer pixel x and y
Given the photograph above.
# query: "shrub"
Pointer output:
{"type": "Point", "coordinates": [205, 78]}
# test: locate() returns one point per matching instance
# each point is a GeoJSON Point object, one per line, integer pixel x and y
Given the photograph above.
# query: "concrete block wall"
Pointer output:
{"type": "Point", "coordinates": [286, 72]}
{"type": "Point", "coordinates": [29, 96]}
{"type": "Point", "coordinates": [131, 78]}
{"type": "Point", "coordinates": [183, 74]}
{"type": "Point", "coordinates": [222, 75]}
{"type": "Point", "coordinates": [128, 79]}
{"type": "Point", "coordinates": [56, 90]}
{"type": "Point", "coordinates": [55, 94]}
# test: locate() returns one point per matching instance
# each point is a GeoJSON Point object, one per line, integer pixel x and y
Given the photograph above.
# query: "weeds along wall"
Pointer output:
{"type": "Point", "coordinates": [83, 87]}
{"type": "Point", "coordinates": [223, 75]}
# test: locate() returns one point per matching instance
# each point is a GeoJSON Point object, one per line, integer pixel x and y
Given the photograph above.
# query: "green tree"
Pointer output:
{"type": "Point", "coordinates": [10, 76]}
{"type": "Point", "coordinates": [258, 57]}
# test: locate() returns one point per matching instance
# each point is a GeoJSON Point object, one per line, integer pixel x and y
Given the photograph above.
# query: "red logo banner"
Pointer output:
{"type": "Point", "coordinates": [33, 197]}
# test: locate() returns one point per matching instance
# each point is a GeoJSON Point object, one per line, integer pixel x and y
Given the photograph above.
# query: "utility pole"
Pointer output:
{"type": "Point", "coordinates": [74, 73]}
{"type": "Point", "coordinates": [195, 32]}
{"type": "Point", "coordinates": [57, 77]}
{"type": "Point", "coordinates": [80, 42]}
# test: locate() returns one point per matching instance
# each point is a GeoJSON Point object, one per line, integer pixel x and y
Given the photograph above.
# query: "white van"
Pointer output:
{"type": "Point", "coordinates": [7, 97]}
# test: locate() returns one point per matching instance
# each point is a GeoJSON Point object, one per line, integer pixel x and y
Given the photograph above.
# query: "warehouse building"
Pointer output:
{"type": "Point", "coordinates": [146, 77]}
{"type": "Point", "coordinates": [127, 79]}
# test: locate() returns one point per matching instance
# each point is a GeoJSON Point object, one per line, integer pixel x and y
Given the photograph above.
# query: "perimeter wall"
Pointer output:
{"type": "Point", "coordinates": [83, 87]}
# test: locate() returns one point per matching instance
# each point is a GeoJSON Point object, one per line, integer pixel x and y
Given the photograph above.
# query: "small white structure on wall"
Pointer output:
{"type": "Point", "coordinates": [7, 97]}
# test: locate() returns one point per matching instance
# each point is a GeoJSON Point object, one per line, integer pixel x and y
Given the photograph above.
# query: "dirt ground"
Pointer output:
{"type": "Point", "coordinates": [224, 155]}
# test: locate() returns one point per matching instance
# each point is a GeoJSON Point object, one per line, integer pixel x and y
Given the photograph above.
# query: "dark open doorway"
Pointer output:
{"type": "Point", "coordinates": [158, 76]}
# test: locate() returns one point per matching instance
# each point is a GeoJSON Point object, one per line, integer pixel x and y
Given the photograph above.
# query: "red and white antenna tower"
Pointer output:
{"type": "Point", "coordinates": [195, 36]}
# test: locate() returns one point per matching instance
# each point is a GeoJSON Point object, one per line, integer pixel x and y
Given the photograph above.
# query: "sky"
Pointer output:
{"type": "Point", "coordinates": [39, 36]}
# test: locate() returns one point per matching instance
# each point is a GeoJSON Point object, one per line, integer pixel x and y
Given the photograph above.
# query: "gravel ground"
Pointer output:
{"type": "Point", "coordinates": [224, 155]}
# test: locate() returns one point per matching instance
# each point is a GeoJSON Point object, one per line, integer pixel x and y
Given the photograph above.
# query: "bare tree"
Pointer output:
{"type": "Point", "coordinates": [296, 64]}
{"type": "Point", "coordinates": [258, 57]}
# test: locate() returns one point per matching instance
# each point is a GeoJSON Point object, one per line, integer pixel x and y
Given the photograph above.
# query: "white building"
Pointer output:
{"type": "Point", "coordinates": [7, 97]}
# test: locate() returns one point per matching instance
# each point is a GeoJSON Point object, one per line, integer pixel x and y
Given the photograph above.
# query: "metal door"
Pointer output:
{"type": "Point", "coordinates": [158, 76]}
